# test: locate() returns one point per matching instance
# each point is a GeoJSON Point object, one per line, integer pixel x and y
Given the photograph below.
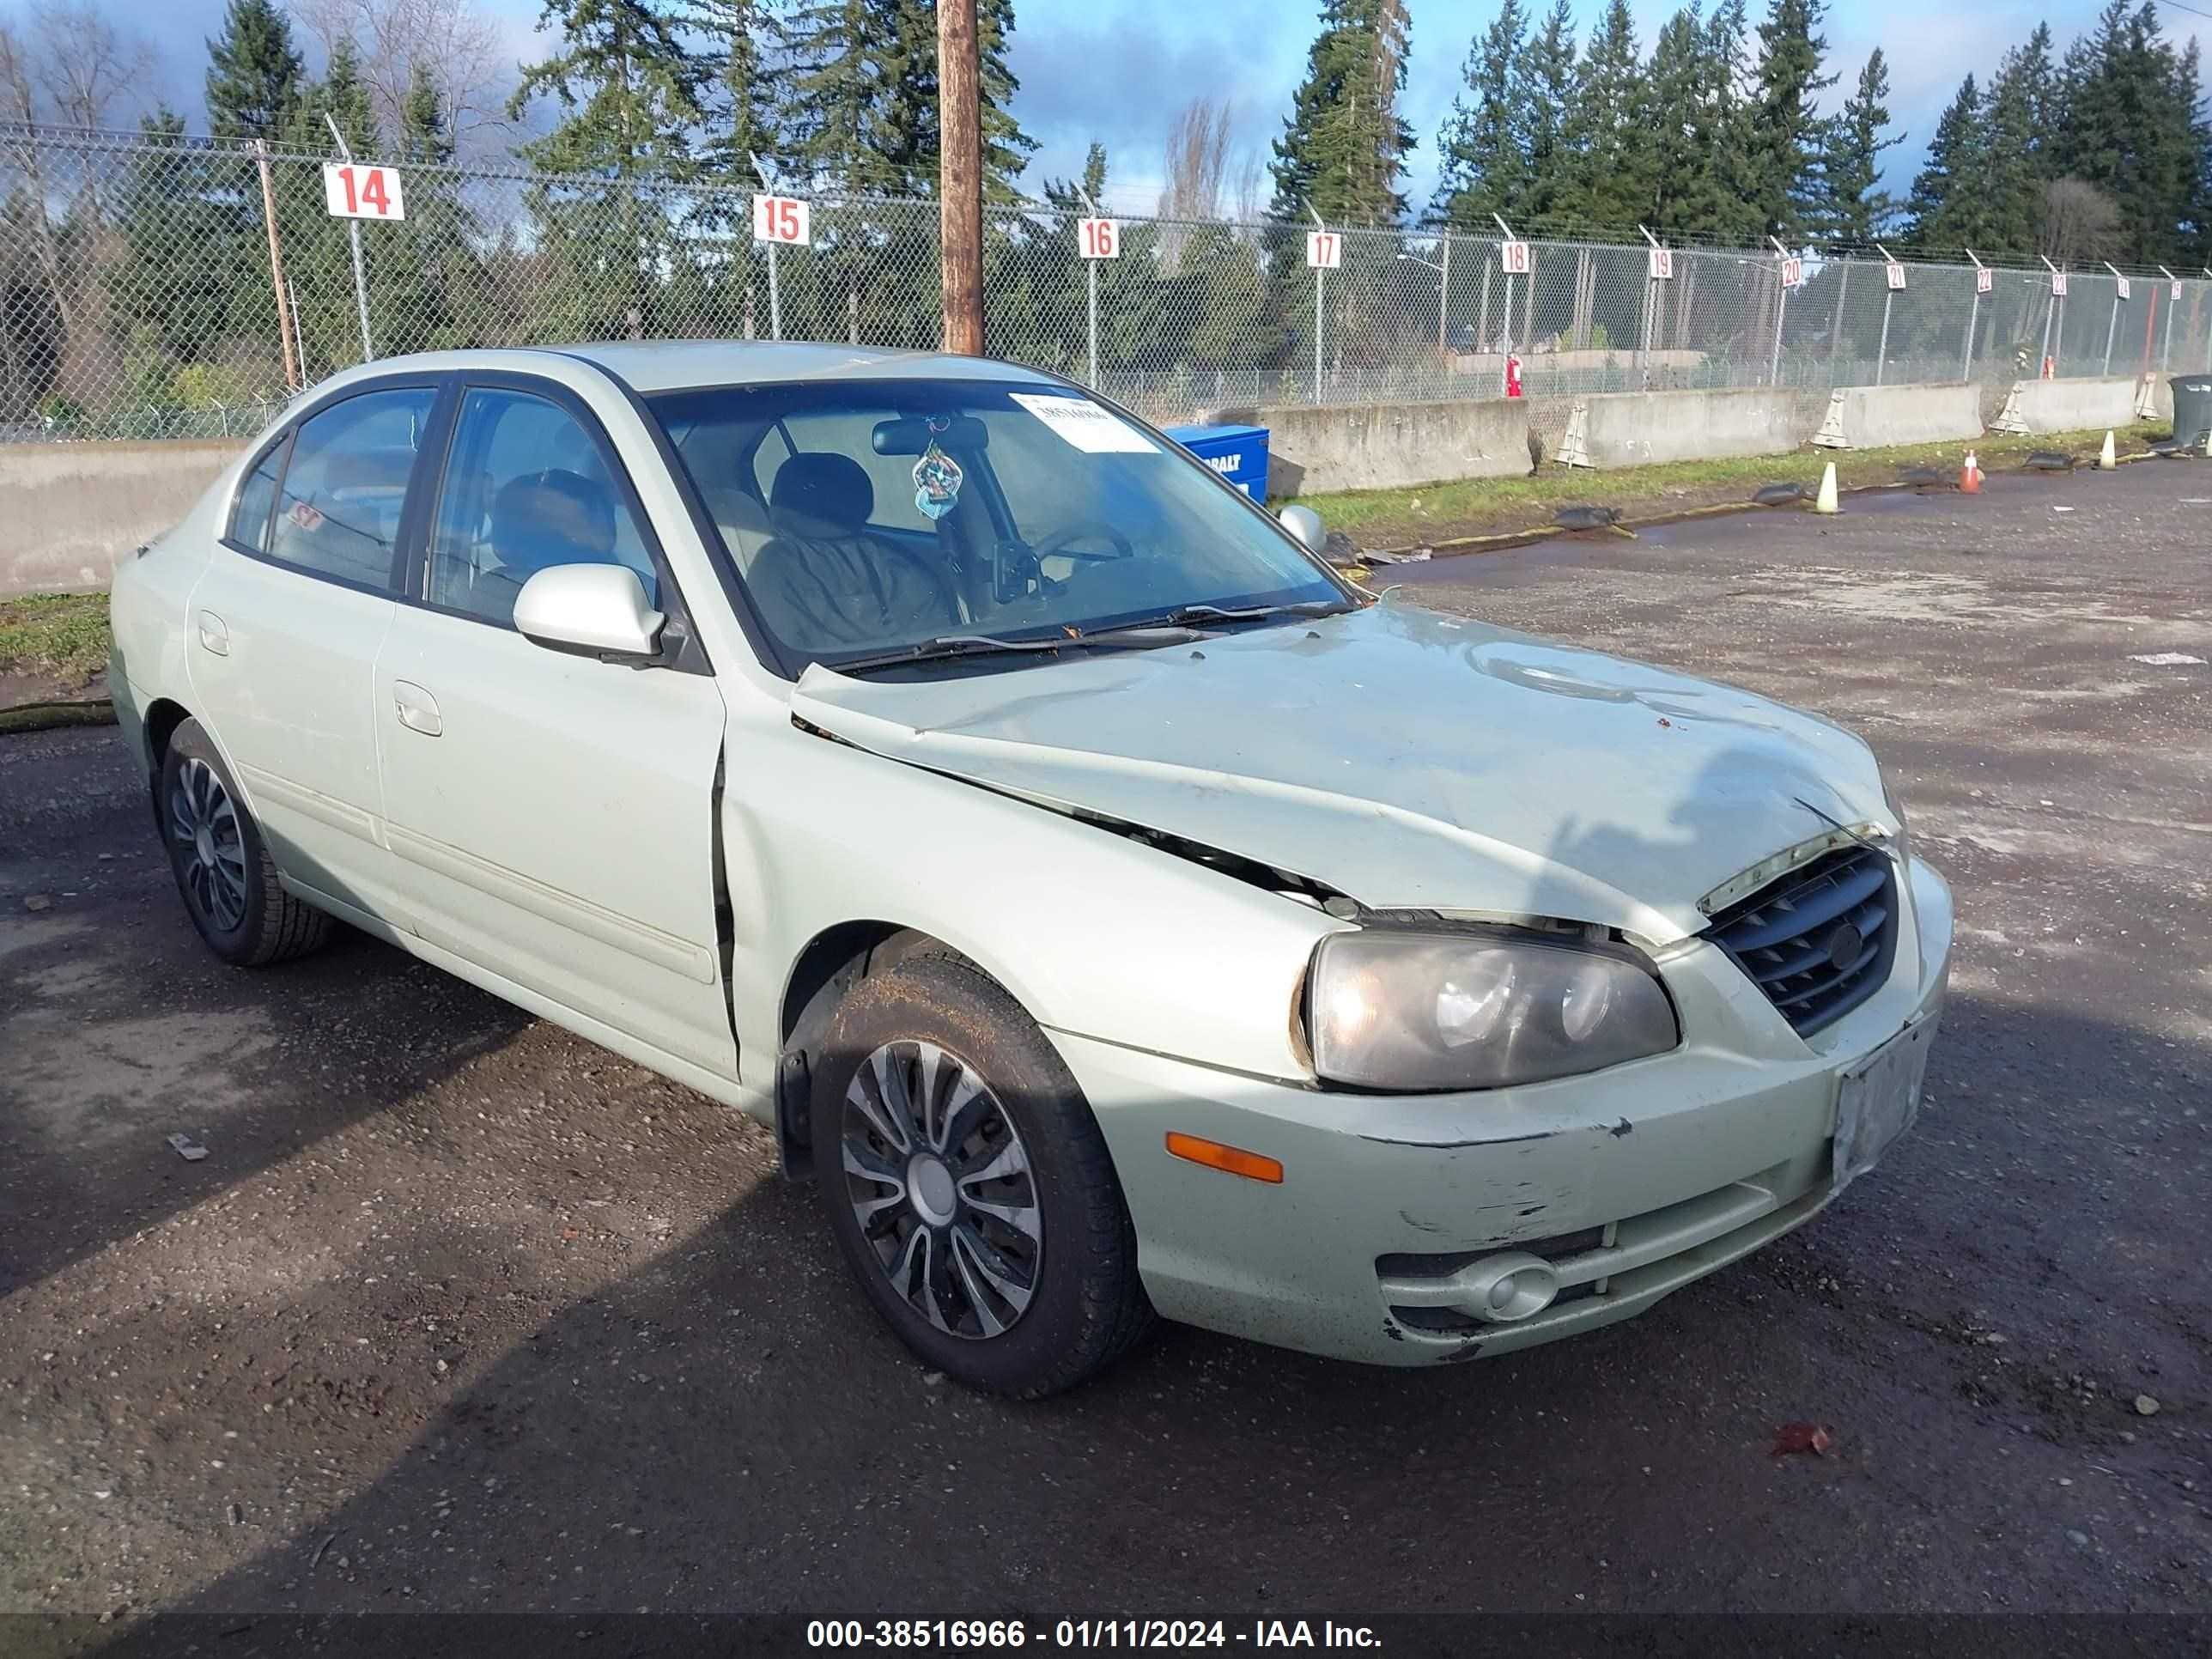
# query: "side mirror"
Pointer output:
{"type": "Point", "coordinates": [592, 609]}
{"type": "Point", "coordinates": [1305, 523]}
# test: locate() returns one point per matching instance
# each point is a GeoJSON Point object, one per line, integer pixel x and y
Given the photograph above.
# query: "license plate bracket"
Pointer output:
{"type": "Point", "coordinates": [1878, 1099]}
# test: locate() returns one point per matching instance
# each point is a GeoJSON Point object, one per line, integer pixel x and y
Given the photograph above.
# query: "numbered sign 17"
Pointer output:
{"type": "Point", "coordinates": [1513, 259]}
{"type": "Point", "coordinates": [1896, 274]}
{"type": "Point", "coordinates": [353, 191]}
{"type": "Point", "coordinates": [1985, 279]}
{"type": "Point", "coordinates": [783, 219]}
{"type": "Point", "coordinates": [1793, 272]}
{"type": "Point", "coordinates": [1663, 264]}
{"type": "Point", "coordinates": [1098, 238]}
{"type": "Point", "coordinates": [1324, 250]}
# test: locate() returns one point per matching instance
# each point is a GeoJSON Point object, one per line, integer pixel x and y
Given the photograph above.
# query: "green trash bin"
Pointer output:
{"type": "Point", "coordinates": [2192, 410]}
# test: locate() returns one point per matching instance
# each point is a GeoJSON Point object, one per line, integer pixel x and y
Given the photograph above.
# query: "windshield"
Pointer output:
{"type": "Point", "coordinates": [865, 516]}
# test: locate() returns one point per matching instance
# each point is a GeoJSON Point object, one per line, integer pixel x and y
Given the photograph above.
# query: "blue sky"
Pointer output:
{"type": "Point", "coordinates": [1118, 69]}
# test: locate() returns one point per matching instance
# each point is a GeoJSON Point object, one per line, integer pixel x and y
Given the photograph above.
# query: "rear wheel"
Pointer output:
{"type": "Point", "coordinates": [223, 868]}
{"type": "Point", "coordinates": [968, 1185]}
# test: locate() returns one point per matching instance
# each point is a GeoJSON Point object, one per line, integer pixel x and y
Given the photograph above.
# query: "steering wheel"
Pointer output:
{"type": "Point", "coordinates": [1056, 545]}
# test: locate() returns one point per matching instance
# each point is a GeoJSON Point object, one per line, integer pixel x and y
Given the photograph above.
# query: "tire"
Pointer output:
{"type": "Point", "coordinates": [226, 878]}
{"type": "Point", "coordinates": [921, 1032]}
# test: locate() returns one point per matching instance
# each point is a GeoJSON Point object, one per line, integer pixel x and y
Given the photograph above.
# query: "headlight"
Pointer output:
{"type": "Point", "coordinates": [1391, 1010]}
{"type": "Point", "coordinates": [1896, 812]}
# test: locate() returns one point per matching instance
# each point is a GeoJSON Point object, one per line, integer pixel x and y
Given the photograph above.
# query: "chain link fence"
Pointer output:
{"type": "Point", "coordinates": [139, 298]}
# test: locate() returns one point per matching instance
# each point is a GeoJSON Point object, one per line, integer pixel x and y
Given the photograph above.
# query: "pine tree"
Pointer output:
{"type": "Point", "coordinates": [1486, 165]}
{"type": "Point", "coordinates": [744, 120]}
{"type": "Point", "coordinates": [1684, 142]}
{"type": "Point", "coordinates": [342, 95]}
{"type": "Point", "coordinates": [1784, 130]}
{"type": "Point", "coordinates": [1854, 211]}
{"type": "Point", "coordinates": [1543, 90]}
{"type": "Point", "coordinates": [1616, 166]}
{"type": "Point", "coordinates": [254, 77]}
{"type": "Point", "coordinates": [2018, 108]}
{"type": "Point", "coordinates": [2130, 127]}
{"type": "Point", "coordinates": [422, 132]}
{"type": "Point", "coordinates": [1344, 145]}
{"type": "Point", "coordinates": [1949, 208]}
{"type": "Point", "coordinates": [1731, 211]}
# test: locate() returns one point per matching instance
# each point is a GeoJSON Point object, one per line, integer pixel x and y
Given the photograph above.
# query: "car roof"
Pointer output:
{"type": "Point", "coordinates": [667, 365]}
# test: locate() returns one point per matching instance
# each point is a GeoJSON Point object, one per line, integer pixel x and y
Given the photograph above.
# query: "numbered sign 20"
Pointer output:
{"type": "Point", "coordinates": [1098, 238]}
{"type": "Point", "coordinates": [1985, 279]}
{"type": "Point", "coordinates": [1513, 259]}
{"type": "Point", "coordinates": [1663, 264]}
{"type": "Point", "coordinates": [1324, 250]}
{"type": "Point", "coordinates": [1895, 272]}
{"type": "Point", "coordinates": [2058, 284]}
{"type": "Point", "coordinates": [783, 219]}
{"type": "Point", "coordinates": [353, 191]}
{"type": "Point", "coordinates": [1793, 272]}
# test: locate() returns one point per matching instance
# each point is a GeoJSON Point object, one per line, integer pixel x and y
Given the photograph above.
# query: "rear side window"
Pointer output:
{"type": "Point", "coordinates": [249, 519]}
{"type": "Point", "coordinates": [338, 511]}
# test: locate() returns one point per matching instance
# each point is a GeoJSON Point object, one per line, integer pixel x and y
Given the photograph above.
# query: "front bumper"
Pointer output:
{"type": "Point", "coordinates": [1666, 1168]}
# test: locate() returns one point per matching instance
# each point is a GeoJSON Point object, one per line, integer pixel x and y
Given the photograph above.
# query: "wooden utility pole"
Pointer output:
{"type": "Point", "coordinates": [276, 266]}
{"type": "Point", "coordinates": [960, 175]}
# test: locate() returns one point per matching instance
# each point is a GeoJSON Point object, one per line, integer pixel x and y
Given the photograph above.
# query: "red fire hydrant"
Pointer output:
{"type": "Point", "coordinates": [1512, 376]}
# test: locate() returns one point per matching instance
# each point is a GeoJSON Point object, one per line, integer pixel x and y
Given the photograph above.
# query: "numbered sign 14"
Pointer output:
{"type": "Point", "coordinates": [353, 191]}
{"type": "Point", "coordinates": [1324, 250]}
{"type": "Point", "coordinates": [783, 219]}
{"type": "Point", "coordinates": [1513, 259]}
{"type": "Point", "coordinates": [1098, 238]}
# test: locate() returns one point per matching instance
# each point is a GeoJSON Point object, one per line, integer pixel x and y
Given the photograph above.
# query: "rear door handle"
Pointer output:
{"type": "Point", "coordinates": [214, 636]}
{"type": "Point", "coordinates": [416, 708]}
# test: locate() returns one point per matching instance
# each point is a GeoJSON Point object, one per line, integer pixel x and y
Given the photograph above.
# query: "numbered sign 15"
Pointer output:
{"type": "Point", "coordinates": [1324, 250]}
{"type": "Point", "coordinates": [1663, 264]}
{"type": "Point", "coordinates": [783, 219]}
{"type": "Point", "coordinates": [1098, 238]}
{"type": "Point", "coordinates": [1513, 259]}
{"type": "Point", "coordinates": [2058, 284]}
{"type": "Point", "coordinates": [353, 191]}
{"type": "Point", "coordinates": [2123, 282]}
{"type": "Point", "coordinates": [1793, 272]}
{"type": "Point", "coordinates": [1985, 279]}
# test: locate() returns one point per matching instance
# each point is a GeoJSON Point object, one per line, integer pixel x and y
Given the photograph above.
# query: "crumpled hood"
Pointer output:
{"type": "Point", "coordinates": [1403, 756]}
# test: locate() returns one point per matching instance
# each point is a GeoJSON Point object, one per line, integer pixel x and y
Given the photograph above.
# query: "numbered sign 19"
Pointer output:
{"type": "Point", "coordinates": [1793, 272]}
{"type": "Point", "coordinates": [1098, 238]}
{"type": "Point", "coordinates": [1513, 259]}
{"type": "Point", "coordinates": [2058, 284]}
{"type": "Point", "coordinates": [2123, 282]}
{"type": "Point", "coordinates": [353, 191]}
{"type": "Point", "coordinates": [783, 219]}
{"type": "Point", "coordinates": [1663, 264]}
{"type": "Point", "coordinates": [1985, 279]}
{"type": "Point", "coordinates": [1324, 250]}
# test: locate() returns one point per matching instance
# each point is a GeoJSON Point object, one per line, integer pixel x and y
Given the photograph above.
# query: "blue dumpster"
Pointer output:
{"type": "Point", "coordinates": [1238, 454]}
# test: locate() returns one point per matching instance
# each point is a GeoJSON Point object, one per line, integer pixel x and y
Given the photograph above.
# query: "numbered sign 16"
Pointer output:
{"type": "Point", "coordinates": [1895, 272]}
{"type": "Point", "coordinates": [1985, 279]}
{"type": "Point", "coordinates": [2058, 284]}
{"type": "Point", "coordinates": [1793, 271]}
{"type": "Point", "coordinates": [1324, 250]}
{"type": "Point", "coordinates": [1098, 238]}
{"type": "Point", "coordinates": [783, 219]}
{"type": "Point", "coordinates": [353, 191]}
{"type": "Point", "coordinates": [2123, 282]}
{"type": "Point", "coordinates": [1513, 259]}
{"type": "Point", "coordinates": [1663, 264]}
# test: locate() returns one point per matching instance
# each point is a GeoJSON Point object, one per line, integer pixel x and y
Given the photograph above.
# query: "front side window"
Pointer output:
{"type": "Point", "coordinates": [338, 511]}
{"type": "Point", "coordinates": [865, 516]}
{"type": "Point", "coordinates": [526, 487]}
{"type": "Point", "coordinates": [249, 516]}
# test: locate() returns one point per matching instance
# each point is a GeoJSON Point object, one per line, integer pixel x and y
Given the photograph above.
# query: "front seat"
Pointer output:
{"type": "Point", "coordinates": [824, 583]}
{"type": "Point", "coordinates": [537, 520]}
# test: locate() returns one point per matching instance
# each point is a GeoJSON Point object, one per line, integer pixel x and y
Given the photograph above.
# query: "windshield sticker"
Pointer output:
{"type": "Point", "coordinates": [937, 481]}
{"type": "Point", "coordinates": [1089, 427]}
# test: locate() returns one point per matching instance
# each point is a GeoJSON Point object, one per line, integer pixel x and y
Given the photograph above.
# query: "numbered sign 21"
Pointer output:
{"type": "Point", "coordinates": [1098, 238]}
{"type": "Point", "coordinates": [1663, 264]}
{"type": "Point", "coordinates": [1324, 250]}
{"type": "Point", "coordinates": [783, 219]}
{"type": "Point", "coordinates": [1895, 273]}
{"type": "Point", "coordinates": [1513, 259]}
{"type": "Point", "coordinates": [353, 191]}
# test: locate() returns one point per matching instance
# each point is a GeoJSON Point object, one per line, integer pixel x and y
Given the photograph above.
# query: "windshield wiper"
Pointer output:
{"type": "Point", "coordinates": [945, 649]}
{"type": "Point", "coordinates": [1207, 616]}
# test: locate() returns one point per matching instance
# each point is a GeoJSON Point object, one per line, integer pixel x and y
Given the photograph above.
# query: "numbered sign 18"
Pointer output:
{"type": "Point", "coordinates": [2174, 292]}
{"type": "Point", "coordinates": [1985, 279]}
{"type": "Point", "coordinates": [1098, 238]}
{"type": "Point", "coordinates": [1324, 250]}
{"type": "Point", "coordinates": [353, 191]}
{"type": "Point", "coordinates": [783, 219]}
{"type": "Point", "coordinates": [1513, 259]}
{"type": "Point", "coordinates": [2123, 282]}
{"type": "Point", "coordinates": [1895, 272]}
{"type": "Point", "coordinates": [1663, 264]}
{"type": "Point", "coordinates": [1793, 271]}
{"type": "Point", "coordinates": [2058, 284]}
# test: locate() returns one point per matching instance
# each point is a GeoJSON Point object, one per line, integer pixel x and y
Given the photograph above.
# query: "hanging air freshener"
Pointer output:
{"type": "Point", "coordinates": [936, 478]}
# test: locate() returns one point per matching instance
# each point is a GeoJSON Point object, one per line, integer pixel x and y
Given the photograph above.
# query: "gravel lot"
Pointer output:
{"type": "Point", "coordinates": [460, 1311]}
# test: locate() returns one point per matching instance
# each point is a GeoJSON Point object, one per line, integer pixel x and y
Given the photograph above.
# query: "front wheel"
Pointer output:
{"type": "Point", "coordinates": [968, 1185]}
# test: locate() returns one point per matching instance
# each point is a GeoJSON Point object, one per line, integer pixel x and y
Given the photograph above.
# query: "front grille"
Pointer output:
{"type": "Point", "coordinates": [1790, 936]}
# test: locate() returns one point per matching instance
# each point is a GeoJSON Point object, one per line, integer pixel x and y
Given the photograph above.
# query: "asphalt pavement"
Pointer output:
{"type": "Point", "coordinates": [460, 1311]}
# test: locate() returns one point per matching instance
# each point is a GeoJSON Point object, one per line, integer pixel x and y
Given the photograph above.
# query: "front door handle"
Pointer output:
{"type": "Point", "coordinates": [214, 636]}
{"type": "Point", "coordinates": [416, 708]}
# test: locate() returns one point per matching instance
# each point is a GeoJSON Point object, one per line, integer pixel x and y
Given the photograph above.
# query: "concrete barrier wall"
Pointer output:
{"type": "Point", "coordinates": [2074, 405]}
{"type": "Point", "coordinates": [1867, 416]}
{"type": "Point", "coordinates": [68, 511]}
{"type": "Point", "coordinates": [1388, 446]}
{"type": "Point", "coordinates": [1637, 429]}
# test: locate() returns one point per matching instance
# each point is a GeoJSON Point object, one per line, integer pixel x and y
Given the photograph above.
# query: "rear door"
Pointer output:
{"type": "Point", "coordinates": [552, 815]}
{"type": "Point", "coordinates": [285, 622]}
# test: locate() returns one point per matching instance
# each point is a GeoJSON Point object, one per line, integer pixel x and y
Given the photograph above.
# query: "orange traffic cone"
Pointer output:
{"type": "Point", "coordinates": [1970, 475]}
